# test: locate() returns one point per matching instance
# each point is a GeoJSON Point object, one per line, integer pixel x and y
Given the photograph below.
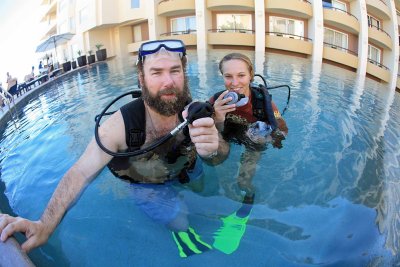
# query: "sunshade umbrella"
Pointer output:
{"type": "Point", "coordinates": [53, 41]}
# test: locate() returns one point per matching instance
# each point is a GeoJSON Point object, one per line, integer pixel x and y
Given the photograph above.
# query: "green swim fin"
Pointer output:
{"type": "Point", "coordinates": [189, 243]}
{"type": "Point", "coordinates": [228, 236]}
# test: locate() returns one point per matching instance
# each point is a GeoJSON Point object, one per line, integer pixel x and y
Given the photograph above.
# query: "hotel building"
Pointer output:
{"type": "Point", "coordinates": [359, 35]}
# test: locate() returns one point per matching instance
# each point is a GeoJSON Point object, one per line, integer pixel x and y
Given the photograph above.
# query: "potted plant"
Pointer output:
{"type": "Point", "coordinates": [91, 58]}
{"type": "Point", "coordinates": [66, 64]}
{"type": "Point", "coordinates": [73, 63]}
{"type": "Point", "coordinates": [101, 54]}
{"type": "Point", "coordinates": [81, 59]}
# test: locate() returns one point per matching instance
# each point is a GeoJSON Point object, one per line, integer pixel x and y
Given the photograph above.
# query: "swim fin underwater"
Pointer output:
{"type": "Point", "coordinates": [189, 243]}
{"type": "Point", "coordinates": [226, 239]}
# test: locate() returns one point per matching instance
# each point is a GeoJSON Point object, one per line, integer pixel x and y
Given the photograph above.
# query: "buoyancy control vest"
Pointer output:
{"type": "Point", "coordinates": [134, 118]}
{"type": "Point", "coordinates": [261, 101]}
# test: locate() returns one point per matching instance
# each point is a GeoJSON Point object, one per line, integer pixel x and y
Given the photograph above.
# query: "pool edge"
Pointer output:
{"type": "Point", "coordinates": [11, 254]}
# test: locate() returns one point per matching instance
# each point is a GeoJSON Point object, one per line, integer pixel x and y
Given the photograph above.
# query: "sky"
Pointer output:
{"type": "Point", "coordinates": [20, 32]}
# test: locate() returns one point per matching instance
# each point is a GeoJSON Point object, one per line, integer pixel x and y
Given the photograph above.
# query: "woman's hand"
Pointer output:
{"type": "Point", "coordinates": [221, 108]}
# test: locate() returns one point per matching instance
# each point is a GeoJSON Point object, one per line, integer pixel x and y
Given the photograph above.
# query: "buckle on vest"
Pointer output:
{"type": "Point", "coordinates": [136, 138]}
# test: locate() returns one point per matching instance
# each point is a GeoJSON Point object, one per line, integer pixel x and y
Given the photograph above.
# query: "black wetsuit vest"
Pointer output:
{"type": "Point", "coordinates": [134, 117]}
{"type": "Point", "coordinates": [262, 105]}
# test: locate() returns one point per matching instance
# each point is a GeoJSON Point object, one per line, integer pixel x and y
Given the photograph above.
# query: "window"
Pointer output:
{"type": "Point", "coordinates": [72, 24]}
{"type": "Point", "coordinates": [334, 3]}
{"type": "Point", "coordinates": [135, 3]}
{"type": "Point", "coordinates": [339, 5]}
{"type": "Point", "coordinates": [234, 22]}
{"type": "Point", "coordinates": [280, 25]}
{"type": "Point", "coordinates": [336, 39]}
{"type": "Point", "coordinates": [63, 27]}
{"type": "Point", "coordinates": [137, 33]}
{"type": "Point", "coordinates": [373, 22]}
{"type": "Point", "coordinates": [61, 6]}
{"type": "Point", "coordinates": [374, 54]}
{"type": "Point", "coordinates": [183, 25]}
{"type": "Point", "coordinates": [83, 15]}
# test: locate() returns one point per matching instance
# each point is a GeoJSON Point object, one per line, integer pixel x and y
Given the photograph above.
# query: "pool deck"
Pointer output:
{"type": "Point", "coordinates": [11, 254]}
{"type": "Point", "coordinates": [22, 100]}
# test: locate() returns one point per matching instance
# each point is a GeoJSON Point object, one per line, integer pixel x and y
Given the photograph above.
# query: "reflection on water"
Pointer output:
{"type": "Point", "coordinates": [330, 196]}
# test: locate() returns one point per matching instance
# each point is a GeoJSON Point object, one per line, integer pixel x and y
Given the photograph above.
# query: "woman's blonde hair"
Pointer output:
{"type": "Point", "coordinates": [237, 56]}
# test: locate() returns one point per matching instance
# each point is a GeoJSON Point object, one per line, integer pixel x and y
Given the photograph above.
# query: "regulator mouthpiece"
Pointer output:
{"type": "Point", "coordinates": [198, 110]}
{"type": "Point", "coordinates": [238, 99]}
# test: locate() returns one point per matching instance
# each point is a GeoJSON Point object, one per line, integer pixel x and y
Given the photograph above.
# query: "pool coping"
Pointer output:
{"type": "Point", "coordinates": [11, 253]}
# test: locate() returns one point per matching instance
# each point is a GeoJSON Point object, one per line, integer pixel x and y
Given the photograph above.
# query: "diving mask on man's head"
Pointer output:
{"type": "Point", "coordinates": [152, 47]}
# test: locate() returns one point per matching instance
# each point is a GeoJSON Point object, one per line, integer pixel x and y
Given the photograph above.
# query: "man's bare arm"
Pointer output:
{"type": "Point", "coordinates": [69, 188]}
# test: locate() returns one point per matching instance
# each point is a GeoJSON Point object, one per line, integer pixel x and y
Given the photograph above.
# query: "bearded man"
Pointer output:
{"type": "Point", "coordinates": [161, 70]}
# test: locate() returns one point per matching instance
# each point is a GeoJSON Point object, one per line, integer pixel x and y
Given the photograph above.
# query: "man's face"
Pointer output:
{"type": "Point", "coordinates": [164, 83]}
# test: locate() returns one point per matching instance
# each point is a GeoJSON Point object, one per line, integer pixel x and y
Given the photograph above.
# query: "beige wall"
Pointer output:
{"type": "Point", "coordinates": [104, 37]}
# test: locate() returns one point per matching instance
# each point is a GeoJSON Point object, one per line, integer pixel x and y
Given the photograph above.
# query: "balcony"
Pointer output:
{"type": "Point", "coordinates": [228, 5]}
{"type": "Point", "coordinates": [378, 70]}
{"type": "Point", "coordinates": [341, 19]}
{"type": "Point", "coordinates": [379, 37]}
{"type": "Point", "coordinates": [175, 7]}
{"type": "Point", "coordinates": [288, 42]}
{"type": "Point", "coordinates": [51, 11]}
{"type": "Point", "coordinates": [52, 28]}
{"type": "Point", "coordinates": [378, 9]}
{"type": "Point", "coordinates": [340, 55]}
{"type": "Point", "coordinates": [189, 37]}
{"type": "Point", "coordinates": [236, 37]}
{"type": "Point", "coordinates": [295, 8]}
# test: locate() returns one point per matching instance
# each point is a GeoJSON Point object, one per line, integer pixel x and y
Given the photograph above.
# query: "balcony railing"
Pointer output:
{"type": "Point", "coordinates": [378, 28]}
{"type": "Point", "coordinates": [163, 1]}
{"type": "Point", "coordinates": [190, 31]}
{"type": "Point", "coordinates": [340, 48]}
{"type": "Point", "coordinates": [289, 35]}
{"type": "Point", "coordinates": [340, 10]}
{"type": "Point", "coordinates": [378, 64]}
{"type": "Point", "coordinates": [383, 2]}
{"type": "Point", "coordinates": [233, 30]}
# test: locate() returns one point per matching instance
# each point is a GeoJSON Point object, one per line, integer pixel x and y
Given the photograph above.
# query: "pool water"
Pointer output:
{"type": "Point", "coordinates": [329, 197]}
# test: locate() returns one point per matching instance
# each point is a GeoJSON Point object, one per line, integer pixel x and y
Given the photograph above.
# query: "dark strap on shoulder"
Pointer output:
{"type": "Point", "coordinates": [134, 117]}
{"type": "Point", "coordinates": [262, 105]}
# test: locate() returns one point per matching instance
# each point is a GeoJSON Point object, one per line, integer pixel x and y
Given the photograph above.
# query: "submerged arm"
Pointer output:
{"type": "Point", "coordinates": [69, 188]}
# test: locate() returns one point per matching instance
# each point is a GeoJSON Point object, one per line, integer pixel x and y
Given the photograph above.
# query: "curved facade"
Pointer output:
{"type": "Point", "coordinates": [360, 35]}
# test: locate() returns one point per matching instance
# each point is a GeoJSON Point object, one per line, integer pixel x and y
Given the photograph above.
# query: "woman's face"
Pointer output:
{"type": "Point", "coordinates": [236, 76]}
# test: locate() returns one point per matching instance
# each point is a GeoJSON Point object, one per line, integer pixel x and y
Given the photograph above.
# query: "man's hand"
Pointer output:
{"type": "Point", "coordinates": [204, 135]}
{"type": "Point", "coordinates": [35, 231]}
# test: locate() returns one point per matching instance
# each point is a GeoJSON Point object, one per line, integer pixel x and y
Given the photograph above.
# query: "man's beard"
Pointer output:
{"type": "Point", "coordinates": [167, 107]}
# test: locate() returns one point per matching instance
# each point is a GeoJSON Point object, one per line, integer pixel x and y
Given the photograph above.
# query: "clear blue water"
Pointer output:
{"type": "Point", "coordinates": [329, 197]}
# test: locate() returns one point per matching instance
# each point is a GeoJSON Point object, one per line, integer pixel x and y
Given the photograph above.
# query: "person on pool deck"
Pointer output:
{"type": "Point", "coordinates": [161, 71]}
{"type": "Point", "coordinates": [237, 122]}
